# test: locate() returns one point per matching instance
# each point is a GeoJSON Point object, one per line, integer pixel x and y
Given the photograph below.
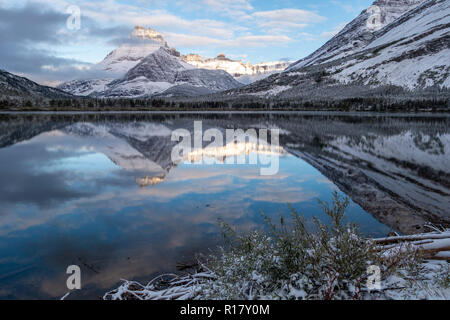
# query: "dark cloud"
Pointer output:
{"type": "Point", "coordinates": [18, 57]}
{"type": "Point", "coordinates": [30, 24]}
{"type": "Point", "coordinates": [25, 31]}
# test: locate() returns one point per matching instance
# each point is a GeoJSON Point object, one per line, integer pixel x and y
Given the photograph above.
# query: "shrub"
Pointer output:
{"type": "Point", "coordinates": [296, 263]}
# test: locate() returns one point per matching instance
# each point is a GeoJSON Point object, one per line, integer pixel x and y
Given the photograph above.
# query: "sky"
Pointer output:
{"type": "Point", "coordinates": [39, 39]}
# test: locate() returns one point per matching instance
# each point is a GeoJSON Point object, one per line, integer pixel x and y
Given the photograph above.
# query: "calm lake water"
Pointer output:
{"type": "Point", "coordinates": [101, 191]}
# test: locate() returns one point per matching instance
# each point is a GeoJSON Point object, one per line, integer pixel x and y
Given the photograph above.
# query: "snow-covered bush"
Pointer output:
{"type": "Point", "coordinates": [443, 276]}
{"type": "Point", "coordinates": [292, 262]}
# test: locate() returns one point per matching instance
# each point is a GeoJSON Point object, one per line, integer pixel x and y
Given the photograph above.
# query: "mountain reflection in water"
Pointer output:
{"type": "Point", "coordinates": [101, 191]}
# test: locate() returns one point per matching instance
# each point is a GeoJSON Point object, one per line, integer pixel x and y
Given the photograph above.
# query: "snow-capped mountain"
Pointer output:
{"type": "Point", "coordinates": [162, 70]}
{"type": "Point", "coordinates": [128, 55]}
{"type": "Point", "coordinates": [243, 72]}
{"type": "Point", "coordinates": [12, 85]}
{"type": "Point", "coordinates": [117, 63]}
{"type": "Point", "coordinates": [411, 52]}
{"type": "Point", "coordinates": [114, 76]}
{"type": "Point", "coordinates": [359, 33]}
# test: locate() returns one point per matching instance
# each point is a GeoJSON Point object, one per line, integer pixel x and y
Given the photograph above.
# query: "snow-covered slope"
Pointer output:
{"type": "Point", "coordinates": [246, 72]}
{"type": "Point", "coordinates": [12, 85]}
{"type": "Point", "coordinates": [162, 70]}
{"type": "Point", "coordinates": [161, 65]}
{"type": "Point", "coordinates": [85, 87]}
{"type": "Point", "coordinates": [128, 55]}
{"type": "Point", "coordinates": [214, 80]}
{"type": "Point", "coordinates": [147, 66]}
{"type": "Point", "coordinates": [248, 79]}
{"type": "Point", "coordinates": [117, 63]}
{"type": "Point", "coordinates": [359, 33]}
{"type": "Point", "coordinates": [412, 52]}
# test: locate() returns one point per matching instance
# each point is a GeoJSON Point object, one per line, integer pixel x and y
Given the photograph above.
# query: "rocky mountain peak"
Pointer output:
{"type": "Point", "coordinates": [142, 33]}
{"type": "Point", "coordinates": [389, 10]}
{"type": "Point", "coordinates": [356, 35]}
{"type": "Point", "coordinates": [245, 72]}
{"type": "Point", "coordinates": [221, 56]}
{"type": "Point", "coordinates": [192, 57]}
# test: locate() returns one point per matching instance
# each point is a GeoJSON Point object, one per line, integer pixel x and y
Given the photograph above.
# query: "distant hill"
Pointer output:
{"type": "Point", "coordinates": [15, 86]}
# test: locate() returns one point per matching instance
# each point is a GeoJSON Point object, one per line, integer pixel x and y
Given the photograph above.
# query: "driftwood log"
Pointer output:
{"type": "Point", "coordinates": [434, 245]}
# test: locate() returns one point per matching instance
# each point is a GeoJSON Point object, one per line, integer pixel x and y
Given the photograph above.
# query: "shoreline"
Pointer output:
{"type": "Point", "coordinates": [227, 112]}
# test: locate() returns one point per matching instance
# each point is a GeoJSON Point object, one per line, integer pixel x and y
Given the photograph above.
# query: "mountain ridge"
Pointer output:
{"type": "Point", "coordinates": [237, 68]}
{"type": "Point", "coordinates": [13, 85]}
{"type": "Point", "coordinates": [145, 42]}
{"type": "Point", "coordinates": [410, 54]}
{"type": "Point", "coordinates": [163, 70]}
{"type": "Point", "coordinates": [359, 32]}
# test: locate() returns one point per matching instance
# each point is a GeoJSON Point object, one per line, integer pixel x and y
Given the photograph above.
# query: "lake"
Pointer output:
{"type": "Point", "coordinates": [102, 190]}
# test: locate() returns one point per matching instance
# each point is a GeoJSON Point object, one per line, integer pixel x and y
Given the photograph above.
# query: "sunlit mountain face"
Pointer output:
{"type": "Point", "coordinates": [103, 191]}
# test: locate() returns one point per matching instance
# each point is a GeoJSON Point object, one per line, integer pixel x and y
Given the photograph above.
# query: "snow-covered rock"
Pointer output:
{"type": "Point", "coordinates": [412, 52]}
{"type": "Point", "coordinates": [117, 63]}
{"type": "Point", "coordinates": [85, 87]}
{"type": "Point", "coordinates": [147, 66]}
{"type": "Point", "coordinates": [161, 65]}
{"type": "Point", "coordinates": [244, 71]}
{"type": "Point", "coordinates": [128, 55]}
{"type": "Point", "coordinates": [214, 80]}
{"type": "Point", "coordinates": [358, 33]}
{"type": "Point", "coordinates": [162, 70]}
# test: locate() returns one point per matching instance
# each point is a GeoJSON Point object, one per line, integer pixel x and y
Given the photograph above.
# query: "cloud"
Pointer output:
{"type": "Point", "coordinates": [110, 12]}
{"type": "Point", "coordinates": [33, 52]}
{"type": "Point", "coordinates": [251, 41]}
{"type": "Point", "coordinates": [30, 23]}
{"type": "Point", "coordinates": [28, 36]}
{"type": "Point", "coordinates": [233, 8]}
{"type": "Point", "coordinates": [201, 27]}
{"type": "Point", "coordinates": [286, 19]}
{"type": "Point", "coordinates": [221, 5]}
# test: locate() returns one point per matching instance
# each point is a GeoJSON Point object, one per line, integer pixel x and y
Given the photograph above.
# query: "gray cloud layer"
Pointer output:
{"type": "Point", "coordinates": [25, 31]}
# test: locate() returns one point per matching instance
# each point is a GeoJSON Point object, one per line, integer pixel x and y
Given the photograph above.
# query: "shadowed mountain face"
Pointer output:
{"type": "Point", "coordinates": [15, 86]}
{"type": "Point", "coordinates": [396, 168]}
{"type": "Point", "coordinates": [356, 35]}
